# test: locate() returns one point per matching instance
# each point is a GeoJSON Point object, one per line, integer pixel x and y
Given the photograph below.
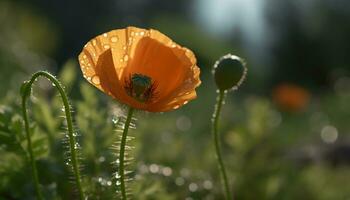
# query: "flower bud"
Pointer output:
{"type": "Point", "coordinates": [229, 72]}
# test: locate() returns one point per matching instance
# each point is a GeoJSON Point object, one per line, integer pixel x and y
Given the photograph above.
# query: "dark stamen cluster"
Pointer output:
{"type": "Point", "coordinates": [140, 87]}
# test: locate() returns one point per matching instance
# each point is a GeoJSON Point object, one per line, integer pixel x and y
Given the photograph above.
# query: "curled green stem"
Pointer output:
{"type": "Point", "coordinates": [73, 153]}
{"type": "Point", "coordinates": [121, 153]}
{"type": "Point", "coordinates": [215, 124]}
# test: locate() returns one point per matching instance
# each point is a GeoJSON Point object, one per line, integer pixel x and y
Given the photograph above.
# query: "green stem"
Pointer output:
{"type": "Point", "coordinates": [73, 153]}
{"type": "Point", "coordinates": [215, 122]}
{"type": "Point", "coordinates": [30, 149]}
{"type": "Point", "coordinates": [121, 153]}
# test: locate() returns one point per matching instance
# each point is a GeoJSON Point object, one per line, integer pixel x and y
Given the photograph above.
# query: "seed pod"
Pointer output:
{"type": "Point", "coordinates": [229, 72]}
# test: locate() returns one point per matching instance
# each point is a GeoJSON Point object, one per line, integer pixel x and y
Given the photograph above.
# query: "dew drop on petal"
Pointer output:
{"type": "Point", "coordinates": [105, 35]}
{"type": "Point", "coordinates": [84, 56]}
{"type": "Point", "coordinates": [142, 33]}
{"type": "Point", "coordinates": [106, 46]}
{"type": "Point", "coordinates": [176, 107]}
{"type": "Point", "coordinates": [96, 80]}
{"type": "Point", "coordinates": [114, 39]}
{"type": "Point", "coordinates": [126, 58]}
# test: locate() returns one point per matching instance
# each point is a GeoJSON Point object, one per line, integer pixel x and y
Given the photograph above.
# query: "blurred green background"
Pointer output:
{"type": "Point", "coordinates": [285, 134]}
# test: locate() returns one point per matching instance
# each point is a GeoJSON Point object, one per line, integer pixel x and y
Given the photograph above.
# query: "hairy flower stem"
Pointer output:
{"type": "Point", "coordinates": [73, 153]}
{"type": "Point", "coordinates": [215, 123]}
{"type": "Point", "coordinates": [30, 149]}
{"type": "Point", "coordinates": [121, 153]}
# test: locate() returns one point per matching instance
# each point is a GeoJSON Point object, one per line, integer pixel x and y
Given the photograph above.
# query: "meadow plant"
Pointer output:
{"type": "Point", "coordinates": [226, 80]}
{"type": "Point", "coordinates": [143, 70]}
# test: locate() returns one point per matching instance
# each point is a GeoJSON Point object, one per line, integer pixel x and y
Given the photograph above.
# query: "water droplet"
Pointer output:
{"type": "Point", "coordinates": [84, 56]}
{"type": "Point", "coordinates": [185, 102]}
{"type": "Point", "coordinates": [94, 42]}
{"type": "Point", "coordinates": [117, 183]}
{"type": "Point", "coordinates": [117, 161]}
{"type": "Point", "coordinates": [67, 163]}
{"type": "Point", "coordinates": [106, 46]}
{"type": "Point", "coordinates": [142, 33]}
{"type": "Point", "coordinates": [114, 39]}
{"type": "Point", "coordinates": [126, 58]}
{"type": "Point", "coordinates": [75, 134]}
{"type": "Point", "coordinates": [88, 78]}
{"type": "Point", "coordinates": [130, 41]}
{"type": "Point", "coordinates": [96, 80]}
{"type": "Point", "coordinates": [115, 120]}
{"type": "Point", "coordinates": [176, 107]}
{"type": "Point", "coordinates": [76, 146]}
{"type": "Point", "coordinates": [124, 47]}
{"type": "Point", "coordinates": [136, 34]}
{"type": "Point", "coordinates": [173, 45]}
{"type": "Point", "coordinates": [105, 35]}
{"type": "Point", "coordinates": [132, 33]}
{"type": "Point", "coordinates": [117, 176]}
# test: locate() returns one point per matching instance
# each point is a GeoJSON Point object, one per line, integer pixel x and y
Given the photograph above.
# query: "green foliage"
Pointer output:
{"type": "Point", "coordinates": [266, 151]}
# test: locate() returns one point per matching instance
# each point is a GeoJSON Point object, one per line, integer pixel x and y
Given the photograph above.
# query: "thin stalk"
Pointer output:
{"type": "Point", "coordinates": [73, 153]}
{"type": "Point", "coordinates": [121, 153]}
{"type": "Point", "coordinates": [30, 149]}
{"type": "Point", "coordinates": [215, 124]}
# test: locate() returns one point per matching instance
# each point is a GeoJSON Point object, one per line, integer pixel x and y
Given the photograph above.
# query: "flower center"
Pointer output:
{"type": "Point", "coordinates": [140, 87]}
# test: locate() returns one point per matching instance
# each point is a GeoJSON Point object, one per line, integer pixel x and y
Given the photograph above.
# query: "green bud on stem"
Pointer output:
{"type": "Point", "coordinates": [229, 72]}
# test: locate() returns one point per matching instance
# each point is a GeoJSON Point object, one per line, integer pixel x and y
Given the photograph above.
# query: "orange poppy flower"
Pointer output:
{"type": "Point", "coordinates": [290, 97]}
{"type": "Point", "coordinates": [141, 68]}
